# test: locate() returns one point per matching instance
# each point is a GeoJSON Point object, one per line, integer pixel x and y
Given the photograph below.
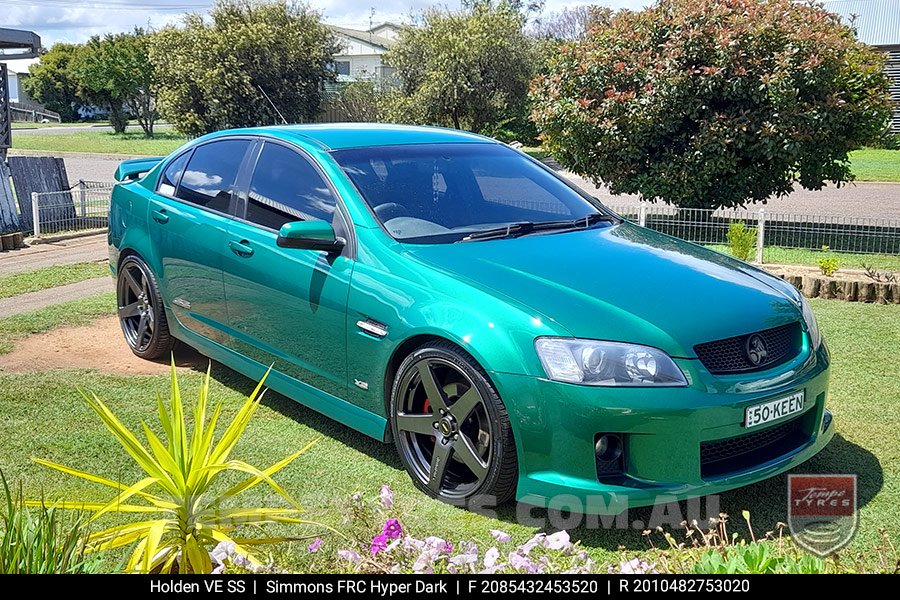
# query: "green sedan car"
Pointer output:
{"type": "Point", "coordinates": [444, 292]}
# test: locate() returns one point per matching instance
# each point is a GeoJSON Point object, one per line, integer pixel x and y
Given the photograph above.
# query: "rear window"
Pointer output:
{"type": "Point", "coordinates": [209, 177]}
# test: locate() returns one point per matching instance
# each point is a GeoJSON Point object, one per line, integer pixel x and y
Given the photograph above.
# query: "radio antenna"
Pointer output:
{"type": "Point", "coordinates": [272, 104]}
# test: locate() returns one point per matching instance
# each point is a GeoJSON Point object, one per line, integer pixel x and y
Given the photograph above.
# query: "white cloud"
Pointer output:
{"type": "Point", "coordinates": [76, 21]}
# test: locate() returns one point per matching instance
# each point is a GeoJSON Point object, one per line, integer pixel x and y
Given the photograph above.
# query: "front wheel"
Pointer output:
{"type": "Point", "coordinates": [141, 312]}
{"type": "Point", "coordinates": [451, 429]}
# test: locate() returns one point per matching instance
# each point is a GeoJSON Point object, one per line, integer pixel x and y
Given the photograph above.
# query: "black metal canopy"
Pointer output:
{"type": "Point", "coordinates": [17, 43]}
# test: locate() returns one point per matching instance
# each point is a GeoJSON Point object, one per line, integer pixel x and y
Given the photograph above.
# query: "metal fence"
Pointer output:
{"type": "Point", "coordinates": [86, 207]}
{"type": "Point", "coordinates": [83, 208]}
{"type": "Point", "coordinates": [774, 228]}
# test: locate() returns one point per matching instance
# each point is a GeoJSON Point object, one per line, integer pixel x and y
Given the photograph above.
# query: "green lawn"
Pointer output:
{"type": "Point", "coordinates": [799, 256]}
{"type": "Point", "coordinates": [42, 415]}
{"type": "Point", "coordinates": [74, 312]}
{"type": "Point", "coordinates": [874, 164]}
{"type": "Point", "coordinates": [103, 142]}
{"type": "Point", "coordinates": [48, 277]}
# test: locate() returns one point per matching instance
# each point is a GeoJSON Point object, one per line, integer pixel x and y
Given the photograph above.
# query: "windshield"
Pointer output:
{"type": "Point", "coordinates": [441, 193]}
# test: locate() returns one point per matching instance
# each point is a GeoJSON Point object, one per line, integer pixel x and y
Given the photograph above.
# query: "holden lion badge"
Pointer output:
{"type": "Point", "coordinates": [822, 512]}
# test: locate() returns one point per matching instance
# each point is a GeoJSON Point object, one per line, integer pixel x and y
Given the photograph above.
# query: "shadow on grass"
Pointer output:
{"type": "Point", "coordinates": [766, 501]}
{"type": "Point", "coordinates": [325, 426]}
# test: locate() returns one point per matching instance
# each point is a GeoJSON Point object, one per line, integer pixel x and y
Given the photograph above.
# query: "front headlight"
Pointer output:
{"type": "Point", "coordinates": [591, 362]}
{"type": "Point", "coordinates": [815, 338]}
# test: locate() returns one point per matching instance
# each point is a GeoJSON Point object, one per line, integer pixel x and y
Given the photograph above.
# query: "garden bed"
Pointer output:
{"type": "Point", "coordinates": [851, 285]}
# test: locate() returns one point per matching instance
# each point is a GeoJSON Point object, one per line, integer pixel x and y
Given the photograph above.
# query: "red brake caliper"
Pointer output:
{"type": "Point", "coordinates": [427, 408]}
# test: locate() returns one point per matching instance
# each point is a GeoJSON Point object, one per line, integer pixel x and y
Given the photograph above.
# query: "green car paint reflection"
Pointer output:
{"type": "Point", "coordinates": [437, 289]}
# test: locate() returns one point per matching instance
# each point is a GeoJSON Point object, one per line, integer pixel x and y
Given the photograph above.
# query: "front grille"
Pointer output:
{"type": "Point", "coordinates": [730, 355]}
{"type": "Point", "coordinates": [730, 455]}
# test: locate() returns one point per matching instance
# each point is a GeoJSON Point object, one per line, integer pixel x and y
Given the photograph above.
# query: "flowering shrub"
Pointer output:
{"type": "Point", "coordinates": [712, 103]}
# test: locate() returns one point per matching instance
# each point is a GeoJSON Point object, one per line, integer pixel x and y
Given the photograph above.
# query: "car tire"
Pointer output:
{"type": "Point", "coordinates": [470, 436]}
{"type": "Point", "coordinates": [141, 312]}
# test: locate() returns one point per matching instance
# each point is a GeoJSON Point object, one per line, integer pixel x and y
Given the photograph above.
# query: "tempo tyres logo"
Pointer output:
{"type": "Point", "coordinates": [822, 513]}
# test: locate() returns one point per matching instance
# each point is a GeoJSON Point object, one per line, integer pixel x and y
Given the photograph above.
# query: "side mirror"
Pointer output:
{"type": "Point", "coordinates": [310, 235]}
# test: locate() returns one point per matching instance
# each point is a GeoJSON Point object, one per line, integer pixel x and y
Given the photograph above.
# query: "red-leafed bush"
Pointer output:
{"type": "Point", "coordinates": [712, 103]}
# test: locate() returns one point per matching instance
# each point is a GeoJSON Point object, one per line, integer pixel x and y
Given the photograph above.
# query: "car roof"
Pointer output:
{"type": "Point", "coordinates": [337, 136]}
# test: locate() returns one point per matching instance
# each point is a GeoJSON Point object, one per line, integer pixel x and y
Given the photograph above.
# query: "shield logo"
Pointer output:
{"type": "Point", "coordinates": [822, 513]}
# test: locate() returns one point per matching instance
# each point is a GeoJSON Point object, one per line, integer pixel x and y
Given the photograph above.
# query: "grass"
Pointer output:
{"type": "Point", "coordinates": [49, 277]}
{"type": "Point", "coordinates": [42, 415]}
{"type": "Point", "coordinates": [800, 256]}
{"type": "Point", "coordinates": [102, 142]}
{"type": "Point", "coordinates": [874, 164]}
{"type": "Point", "coordinates": [74, 312]}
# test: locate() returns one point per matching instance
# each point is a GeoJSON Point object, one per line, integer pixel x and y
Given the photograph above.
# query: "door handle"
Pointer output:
{"type": "Point", "coordinates": [160, 216]}
{"type": "Point", "coordinates": [241, 248]}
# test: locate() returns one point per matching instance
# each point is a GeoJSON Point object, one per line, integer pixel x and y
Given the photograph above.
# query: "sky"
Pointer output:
{"type": "Point", "coordinates": [77, 20]}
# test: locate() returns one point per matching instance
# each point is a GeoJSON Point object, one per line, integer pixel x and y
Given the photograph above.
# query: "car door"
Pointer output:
{"type": "Point", "coordinates": [189, 215]}
{"type": "Point", "coordinates": [288, 306]}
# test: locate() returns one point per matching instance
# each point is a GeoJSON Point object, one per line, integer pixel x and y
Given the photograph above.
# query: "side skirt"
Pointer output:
{"type": "Point", "coordinates": [333, 407]}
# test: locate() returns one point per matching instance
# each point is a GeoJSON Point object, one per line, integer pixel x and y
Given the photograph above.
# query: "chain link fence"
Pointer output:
{"type": "Point", "coordinates": [774, 228]}
{"type": "Point", "coordinates": [83, 208]}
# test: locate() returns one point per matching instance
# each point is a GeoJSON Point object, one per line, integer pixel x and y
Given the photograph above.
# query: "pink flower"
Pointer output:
{"type": "Point", "coordinates": [558, 541]}
{"type": "Point", "coordinates": [314, 545]}
{"type": "Point", "coordinates": [392, 529]}
{"type": "Point", "coordinates": [387, 496]}
{"type": "Point", "coordinates": [379, 543]}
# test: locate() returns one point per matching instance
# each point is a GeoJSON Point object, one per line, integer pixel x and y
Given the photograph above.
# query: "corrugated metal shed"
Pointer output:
{"type": "Point", "coordinates": [877, 22]}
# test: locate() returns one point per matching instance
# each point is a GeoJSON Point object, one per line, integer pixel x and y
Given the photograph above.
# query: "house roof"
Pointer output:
{"type": "Point", "coordinates": [366, 37]}
{"type": "Point", "coordinates": [877, 22]}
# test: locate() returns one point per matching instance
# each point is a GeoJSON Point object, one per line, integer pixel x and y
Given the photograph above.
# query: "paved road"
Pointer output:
{"type": "Point", "coordinates": [64, 293]}
{"type": "Point", "coordinates": [87, 249]}
{"type": "Point", "coordinates": [869, 200]}
{"type": "Point", "coordinates": [864, 200]}
{"type": "Point", "coordinates": [860, 200]}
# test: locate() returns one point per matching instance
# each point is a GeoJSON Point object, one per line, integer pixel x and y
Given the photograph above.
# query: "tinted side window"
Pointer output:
{"type": "Point", "coordinates": [209, 177]}
{"type": "Point", "coordinates": [170, 177]}
{"type": "Point", "coordinates": [286, 187]}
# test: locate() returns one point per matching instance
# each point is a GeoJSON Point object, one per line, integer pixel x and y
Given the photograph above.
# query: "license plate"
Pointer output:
{"type": "Point", "coordinates": [773, 410]}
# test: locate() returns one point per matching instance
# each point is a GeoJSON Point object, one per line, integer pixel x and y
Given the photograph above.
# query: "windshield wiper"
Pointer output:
{"type": "Point", "coordinates": [580, 223]}
{"type": "Point", "coordinates": [521, 228]}
{"type": "Point", "coordinates": [510, 230]}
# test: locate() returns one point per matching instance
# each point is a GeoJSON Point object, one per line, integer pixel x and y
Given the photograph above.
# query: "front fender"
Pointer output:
{"type": "Point", "coordinates": [411, 303]}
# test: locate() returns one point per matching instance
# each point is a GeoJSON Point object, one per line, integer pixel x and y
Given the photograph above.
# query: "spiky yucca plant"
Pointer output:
{"type": "Point", "coordinates": [181, 513]}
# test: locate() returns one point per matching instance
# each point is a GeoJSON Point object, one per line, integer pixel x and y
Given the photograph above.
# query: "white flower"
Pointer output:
{"type": "Point", "coordinates": [636, 566]}
{"type": "Point", "coordinates": [558, 541]}
{"type": "Point", "coordinates": [500, 536]}
{"type": "Point", "coordinates": [491, 556]}
{"type": "Point", "coordinates": [349, 555]}
{"type": "Point", "coordinates": [387, 496]}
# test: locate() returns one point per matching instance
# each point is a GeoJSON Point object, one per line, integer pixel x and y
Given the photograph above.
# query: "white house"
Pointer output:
{"type": "Point", "coordinates": [16, 70]}
{"type": "Point", "coordinates": [360, 56]}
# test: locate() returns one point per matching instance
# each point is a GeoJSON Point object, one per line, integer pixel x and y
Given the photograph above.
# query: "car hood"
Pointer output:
{"type": "Point", "coordinates": [621, 283]}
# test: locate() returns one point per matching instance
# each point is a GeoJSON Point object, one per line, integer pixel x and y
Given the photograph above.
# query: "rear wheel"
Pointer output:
{"type": "Point", "coordinates": [451, 428]}
{"type": "Point", "coordinates": [141, 312]}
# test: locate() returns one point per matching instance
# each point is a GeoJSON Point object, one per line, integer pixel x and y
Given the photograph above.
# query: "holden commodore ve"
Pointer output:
{"type": "Point", "coordinates": [437, 289]}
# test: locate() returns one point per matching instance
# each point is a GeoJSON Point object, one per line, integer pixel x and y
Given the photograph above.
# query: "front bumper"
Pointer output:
{"type": "Point", "coordinates": [556, 424]}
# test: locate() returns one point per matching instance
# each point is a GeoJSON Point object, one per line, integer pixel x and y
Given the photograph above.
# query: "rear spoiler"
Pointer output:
{"type": "Point", "coordinates": [134, 168]}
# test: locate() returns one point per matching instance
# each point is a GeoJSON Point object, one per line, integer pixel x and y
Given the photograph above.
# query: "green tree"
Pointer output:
{"type": "Point", "coordinates": [51, 83]}
{"type": "Point", "coordinates": [250, 63]}
{"type": "Point", "coordinates": [467, 69]}
{"type": "Point", "coordinates": [114, 73]}
{"type": "Point", "coordinates": [714, 103]}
